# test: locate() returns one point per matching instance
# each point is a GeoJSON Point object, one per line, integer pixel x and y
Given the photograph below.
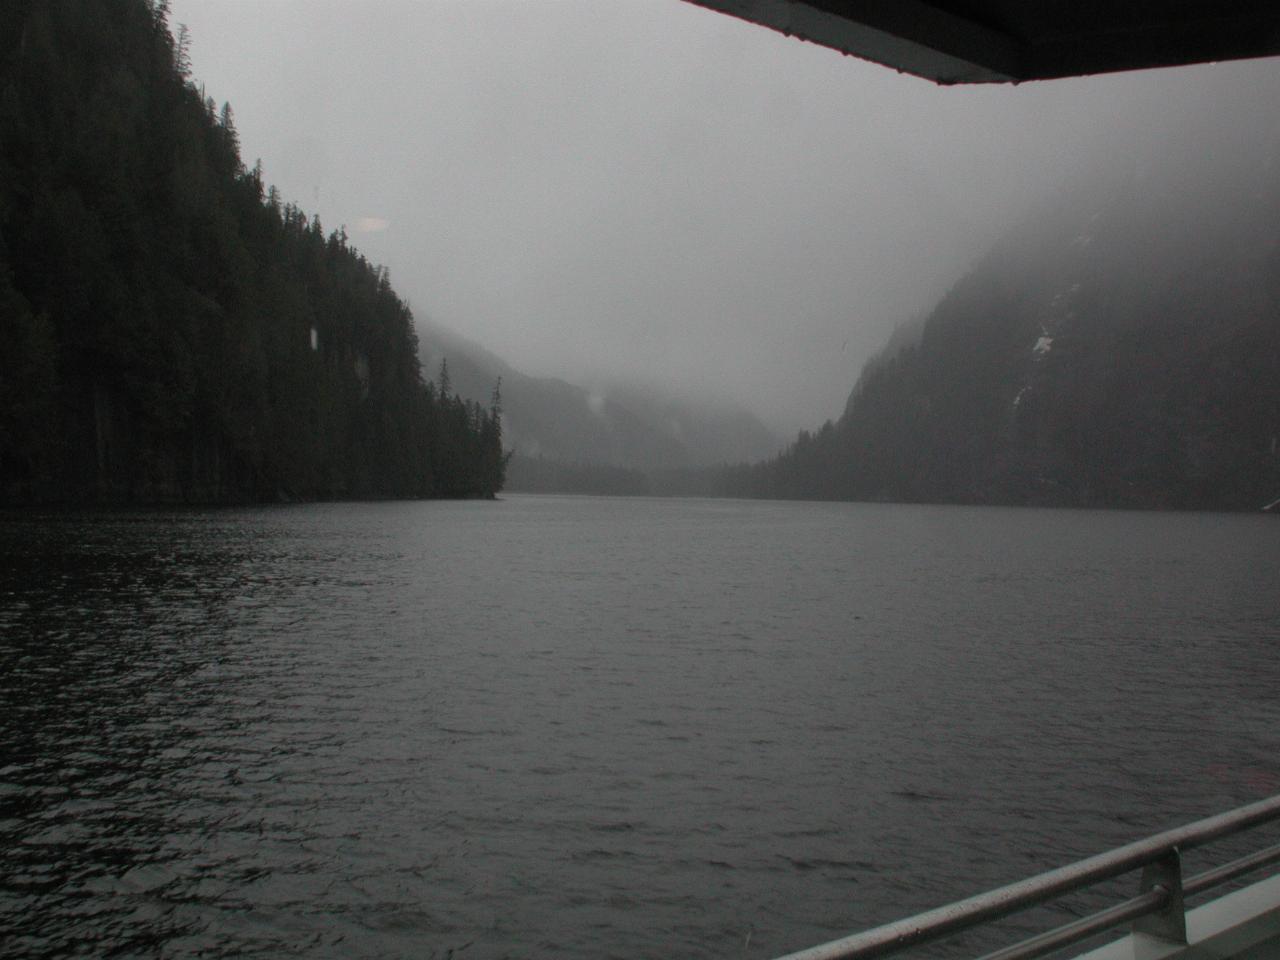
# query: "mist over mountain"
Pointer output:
{"type": "Point", "coordinates": [634, 427]}
{"type": "Point", "coordinates": [1119, 348]}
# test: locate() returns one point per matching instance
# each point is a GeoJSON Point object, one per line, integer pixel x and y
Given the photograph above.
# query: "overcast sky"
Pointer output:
{"type": "Point", "coordinates": [648, 189]}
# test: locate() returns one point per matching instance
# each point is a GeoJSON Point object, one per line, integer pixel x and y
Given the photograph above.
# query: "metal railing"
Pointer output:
{"type": "Point", "coordinates": [1157, 910]}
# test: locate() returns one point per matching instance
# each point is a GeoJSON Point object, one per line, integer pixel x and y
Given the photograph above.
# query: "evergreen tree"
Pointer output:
{"type": "Point", "coordinates": [171, 329]}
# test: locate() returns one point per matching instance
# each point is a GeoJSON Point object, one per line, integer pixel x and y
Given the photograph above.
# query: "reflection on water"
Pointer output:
{"type": "Point", "coordinates": [581, 728]}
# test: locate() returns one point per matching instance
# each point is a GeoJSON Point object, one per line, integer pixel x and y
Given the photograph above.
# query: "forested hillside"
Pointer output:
{"type": "Point", "coordinates": [615, 440]}
{"type": "Point", "coordinates": [1121, 348]}
{"type": "Point", "coordinates": [607, 430]}
{"type": "Point", "coordinates": [171, 329]}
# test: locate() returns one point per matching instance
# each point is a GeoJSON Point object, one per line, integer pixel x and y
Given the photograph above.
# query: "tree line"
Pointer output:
{"type": "Point", "coordinates": [171, 329]}
{"type": "Point", "coordinates": [1120, 349]}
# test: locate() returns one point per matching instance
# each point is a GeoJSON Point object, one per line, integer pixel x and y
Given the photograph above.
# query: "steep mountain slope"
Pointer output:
{"type": "Point", "coordinates": [1121, 348]}
{"type": "Point", "coordinates": [632, 427]}
{"type": "Point", "coordinates": [169, 329]}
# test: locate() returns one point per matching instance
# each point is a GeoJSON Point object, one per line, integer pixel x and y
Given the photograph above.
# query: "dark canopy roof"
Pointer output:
{"type": "Point", "coordinates": [1003, 41]}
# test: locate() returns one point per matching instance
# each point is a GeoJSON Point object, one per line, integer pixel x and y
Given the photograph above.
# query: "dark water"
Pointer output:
{"type": "Point", "coordinates": [579, 728]}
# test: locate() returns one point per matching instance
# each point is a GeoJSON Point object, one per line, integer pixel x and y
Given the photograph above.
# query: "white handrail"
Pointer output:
{"type": "Point", "coordinates": [1160, 854]}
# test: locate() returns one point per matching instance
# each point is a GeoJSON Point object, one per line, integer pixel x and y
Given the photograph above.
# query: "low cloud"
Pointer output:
{"type": "Point", "coordinates": [652, 191]}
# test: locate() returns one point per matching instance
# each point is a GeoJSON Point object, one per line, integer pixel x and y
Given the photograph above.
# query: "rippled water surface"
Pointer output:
{"type": "Point", "coordinates": [579, 728]}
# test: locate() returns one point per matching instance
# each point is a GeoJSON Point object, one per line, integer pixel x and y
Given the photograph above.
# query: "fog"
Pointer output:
{"type": "Point", "coordinates": [651, 191]}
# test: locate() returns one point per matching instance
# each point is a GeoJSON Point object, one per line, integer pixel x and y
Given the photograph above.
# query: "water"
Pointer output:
{"type": "Point", "coordinates": [574, 727]}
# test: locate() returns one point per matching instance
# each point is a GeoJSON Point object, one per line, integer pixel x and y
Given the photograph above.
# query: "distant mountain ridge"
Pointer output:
{"type": "Point", "coordinates": [632, 427]}
{"type": "Point", "coordinates": [1121, 348]}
